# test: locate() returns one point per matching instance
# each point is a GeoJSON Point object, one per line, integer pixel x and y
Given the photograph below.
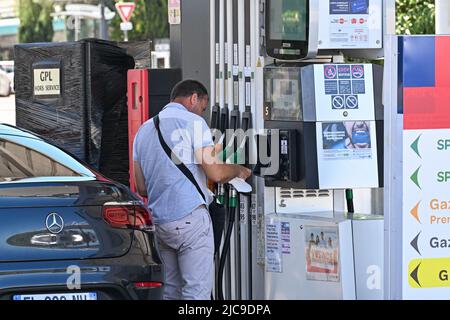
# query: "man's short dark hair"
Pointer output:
{"type": "Point", "coordinates": [187, 88]}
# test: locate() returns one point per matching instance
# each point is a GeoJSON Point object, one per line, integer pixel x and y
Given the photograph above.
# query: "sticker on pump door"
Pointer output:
{"type": "Point", "coordinates": [285, 238]}
{"type": "Point", "coordinates": [322, 253]}
{"type": "Point", "coordinates": [347, 90]}
{"type": "Point", "coordinates": [347, 154]}
{"type": "Point", "coordinates": [350, 24]}
{"type": "Point", "coordinates": [330, 72]}
{"type": "Point", "coordinates": [273, 255]}
{"type": "Point", "coordinates": [347, 140]}
{"type": "Point", "coordinates": [358, 72]}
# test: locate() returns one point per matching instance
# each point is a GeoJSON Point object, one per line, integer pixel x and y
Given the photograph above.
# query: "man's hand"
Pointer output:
{"type": "Point", "coordinates": [244, 173]}
{"type": "Point", "coordinates": [218, 149]}
{"type": "Point", "coordinates": [215, 169]}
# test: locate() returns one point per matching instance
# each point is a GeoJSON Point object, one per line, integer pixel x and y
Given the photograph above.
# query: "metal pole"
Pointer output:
{"type": "Point", "coordinates": [222, 53]}
{"type": "Point", "coordinates": [212, 44]}
{"type": "Point", "coordinates": [442, 17]}
{"type": "Point", "coordinates": [125, 35]}
{"type": "Point", "coordinates": [392, 159]}
{"type": "Point", "coordinates": [77, 28]}
{"type": "Point", "coordinates": [103, 24]}
{"type": "Point", "coordinates": [231, 262]}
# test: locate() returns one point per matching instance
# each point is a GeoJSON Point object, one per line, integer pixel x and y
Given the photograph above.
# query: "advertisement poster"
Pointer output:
{"type": "Point", "coordinates": [322, 253]}
{"type": "Point", "coordinates": [347, 140]}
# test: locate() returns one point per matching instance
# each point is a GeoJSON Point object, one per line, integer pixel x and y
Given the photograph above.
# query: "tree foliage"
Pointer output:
{"type": "Point", "coordinates": [36, 22]}
{"type": "Point", "coordinates": [149, 21]}
{"type": "Point", "coordinates": [415, 17]}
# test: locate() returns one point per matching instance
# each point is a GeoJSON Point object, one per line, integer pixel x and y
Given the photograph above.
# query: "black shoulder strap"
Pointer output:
{"type": "Point", "coordinates": [172, 156]}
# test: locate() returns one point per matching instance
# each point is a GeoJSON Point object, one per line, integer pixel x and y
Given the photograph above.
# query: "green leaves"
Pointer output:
{"type": "Point", "coordinates": [36, 22]}
{"type": "Point", "coordinates": [415, 17]}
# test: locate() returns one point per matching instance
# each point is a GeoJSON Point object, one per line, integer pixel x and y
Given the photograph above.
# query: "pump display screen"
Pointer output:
{"type": "Point", "coordinates": [282, 93]}
{"type": "Point", "coordinates": [288, 20]}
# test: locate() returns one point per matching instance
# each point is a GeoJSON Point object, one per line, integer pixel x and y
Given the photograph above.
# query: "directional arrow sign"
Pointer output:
{"type": "Point", "coordinates": [414, 243]}
{"type": "Point", "coordinates": [415, 212]}
{"type": "Point", "coordinates": [415, 146]}
{"type": "Point", "coordinates": [125, 10]}
{"type": "Point", "coordinates": [429, 273]}
{"type": "Point", "coordinates": [414, 275]}
{"type": "Point", "coordinates": [415, 177]}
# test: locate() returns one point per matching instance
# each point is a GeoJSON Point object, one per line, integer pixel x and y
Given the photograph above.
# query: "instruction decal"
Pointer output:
{"type": "Point", "coordinates": [273, 247]}
{"type": "Point", "coordinates": [285, 238]}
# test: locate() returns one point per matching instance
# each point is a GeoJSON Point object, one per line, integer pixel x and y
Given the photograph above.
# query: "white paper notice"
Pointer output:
{"type": "Point", "coordinates": [273, 247]}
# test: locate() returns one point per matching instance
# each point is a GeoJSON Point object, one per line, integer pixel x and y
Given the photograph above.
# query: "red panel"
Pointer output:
{"type": "Point", "coordinates": [442, 61]}
{"type": "Point", "coordinates": [138, 113]}
{"type": "Point", "coordinates": [426, 108]}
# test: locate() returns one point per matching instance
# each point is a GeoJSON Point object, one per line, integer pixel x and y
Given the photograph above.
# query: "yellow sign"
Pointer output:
{"type": "Point", "coordinates": [429, 273]}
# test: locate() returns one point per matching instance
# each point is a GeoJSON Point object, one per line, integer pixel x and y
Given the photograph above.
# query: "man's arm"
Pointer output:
{"type": "Point", "coordinates": [217, 171]}
{"type": "Point", "coordinates": [139, 180]}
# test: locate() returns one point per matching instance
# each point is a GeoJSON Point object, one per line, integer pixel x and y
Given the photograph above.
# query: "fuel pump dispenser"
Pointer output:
{"type": "Point", "coordinates": [324, 118]}
{"type": "Point", "coordinates": [324, 131]}
{"type": "Point", "coordinates": [322, 125]}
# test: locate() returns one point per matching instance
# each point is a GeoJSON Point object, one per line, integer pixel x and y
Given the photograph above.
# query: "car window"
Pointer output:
{"type": "Point", "coordinates": [18, 161]}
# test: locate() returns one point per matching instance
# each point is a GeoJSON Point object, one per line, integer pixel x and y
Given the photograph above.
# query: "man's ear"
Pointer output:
{"type": "Point", "coordinates": [194, 99]}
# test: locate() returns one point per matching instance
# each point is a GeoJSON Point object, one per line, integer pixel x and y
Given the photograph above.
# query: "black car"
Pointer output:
{"type": "Point", "coordinates": [68, 233]}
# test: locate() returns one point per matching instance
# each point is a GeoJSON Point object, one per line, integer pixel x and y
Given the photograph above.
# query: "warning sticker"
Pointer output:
{"type": "Point", "coordinates": [344, 72]}
{"type": "Point", "coordinates": [331, 87]}
{"type": "Point", "coordinates": [330, 72]}
{"type": "Point", "coordinates": [345, 87]}
{"type": "Point", "coordinates": [359, 87]}
{"type": "Point", "coordinates": [358, 72]}
{"type": "Point", "coordinates": [351, 102]}
{"type": "Point", "coordinates": [338, 102]}
{"type": "Point", "coordinates": [348, 91]}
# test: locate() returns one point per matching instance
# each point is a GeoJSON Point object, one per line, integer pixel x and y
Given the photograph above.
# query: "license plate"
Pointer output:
{"type": "Point", "coordinates": [58, 296]}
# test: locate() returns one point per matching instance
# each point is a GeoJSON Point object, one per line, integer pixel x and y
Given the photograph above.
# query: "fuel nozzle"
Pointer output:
{"type": "Point", "coordinates": [215, 116]}
{"type": "Point", "coordinates": [233, 197]}
{"type": "Point", "coordinates": [221, 193]}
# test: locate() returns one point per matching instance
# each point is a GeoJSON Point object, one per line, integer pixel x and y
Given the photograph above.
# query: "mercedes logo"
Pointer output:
{"type": "Point", "coordinates": [54, 223]}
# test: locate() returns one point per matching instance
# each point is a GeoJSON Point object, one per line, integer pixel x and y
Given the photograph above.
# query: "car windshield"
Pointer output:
{"type": "Point", "coordinates": [18, 161]}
